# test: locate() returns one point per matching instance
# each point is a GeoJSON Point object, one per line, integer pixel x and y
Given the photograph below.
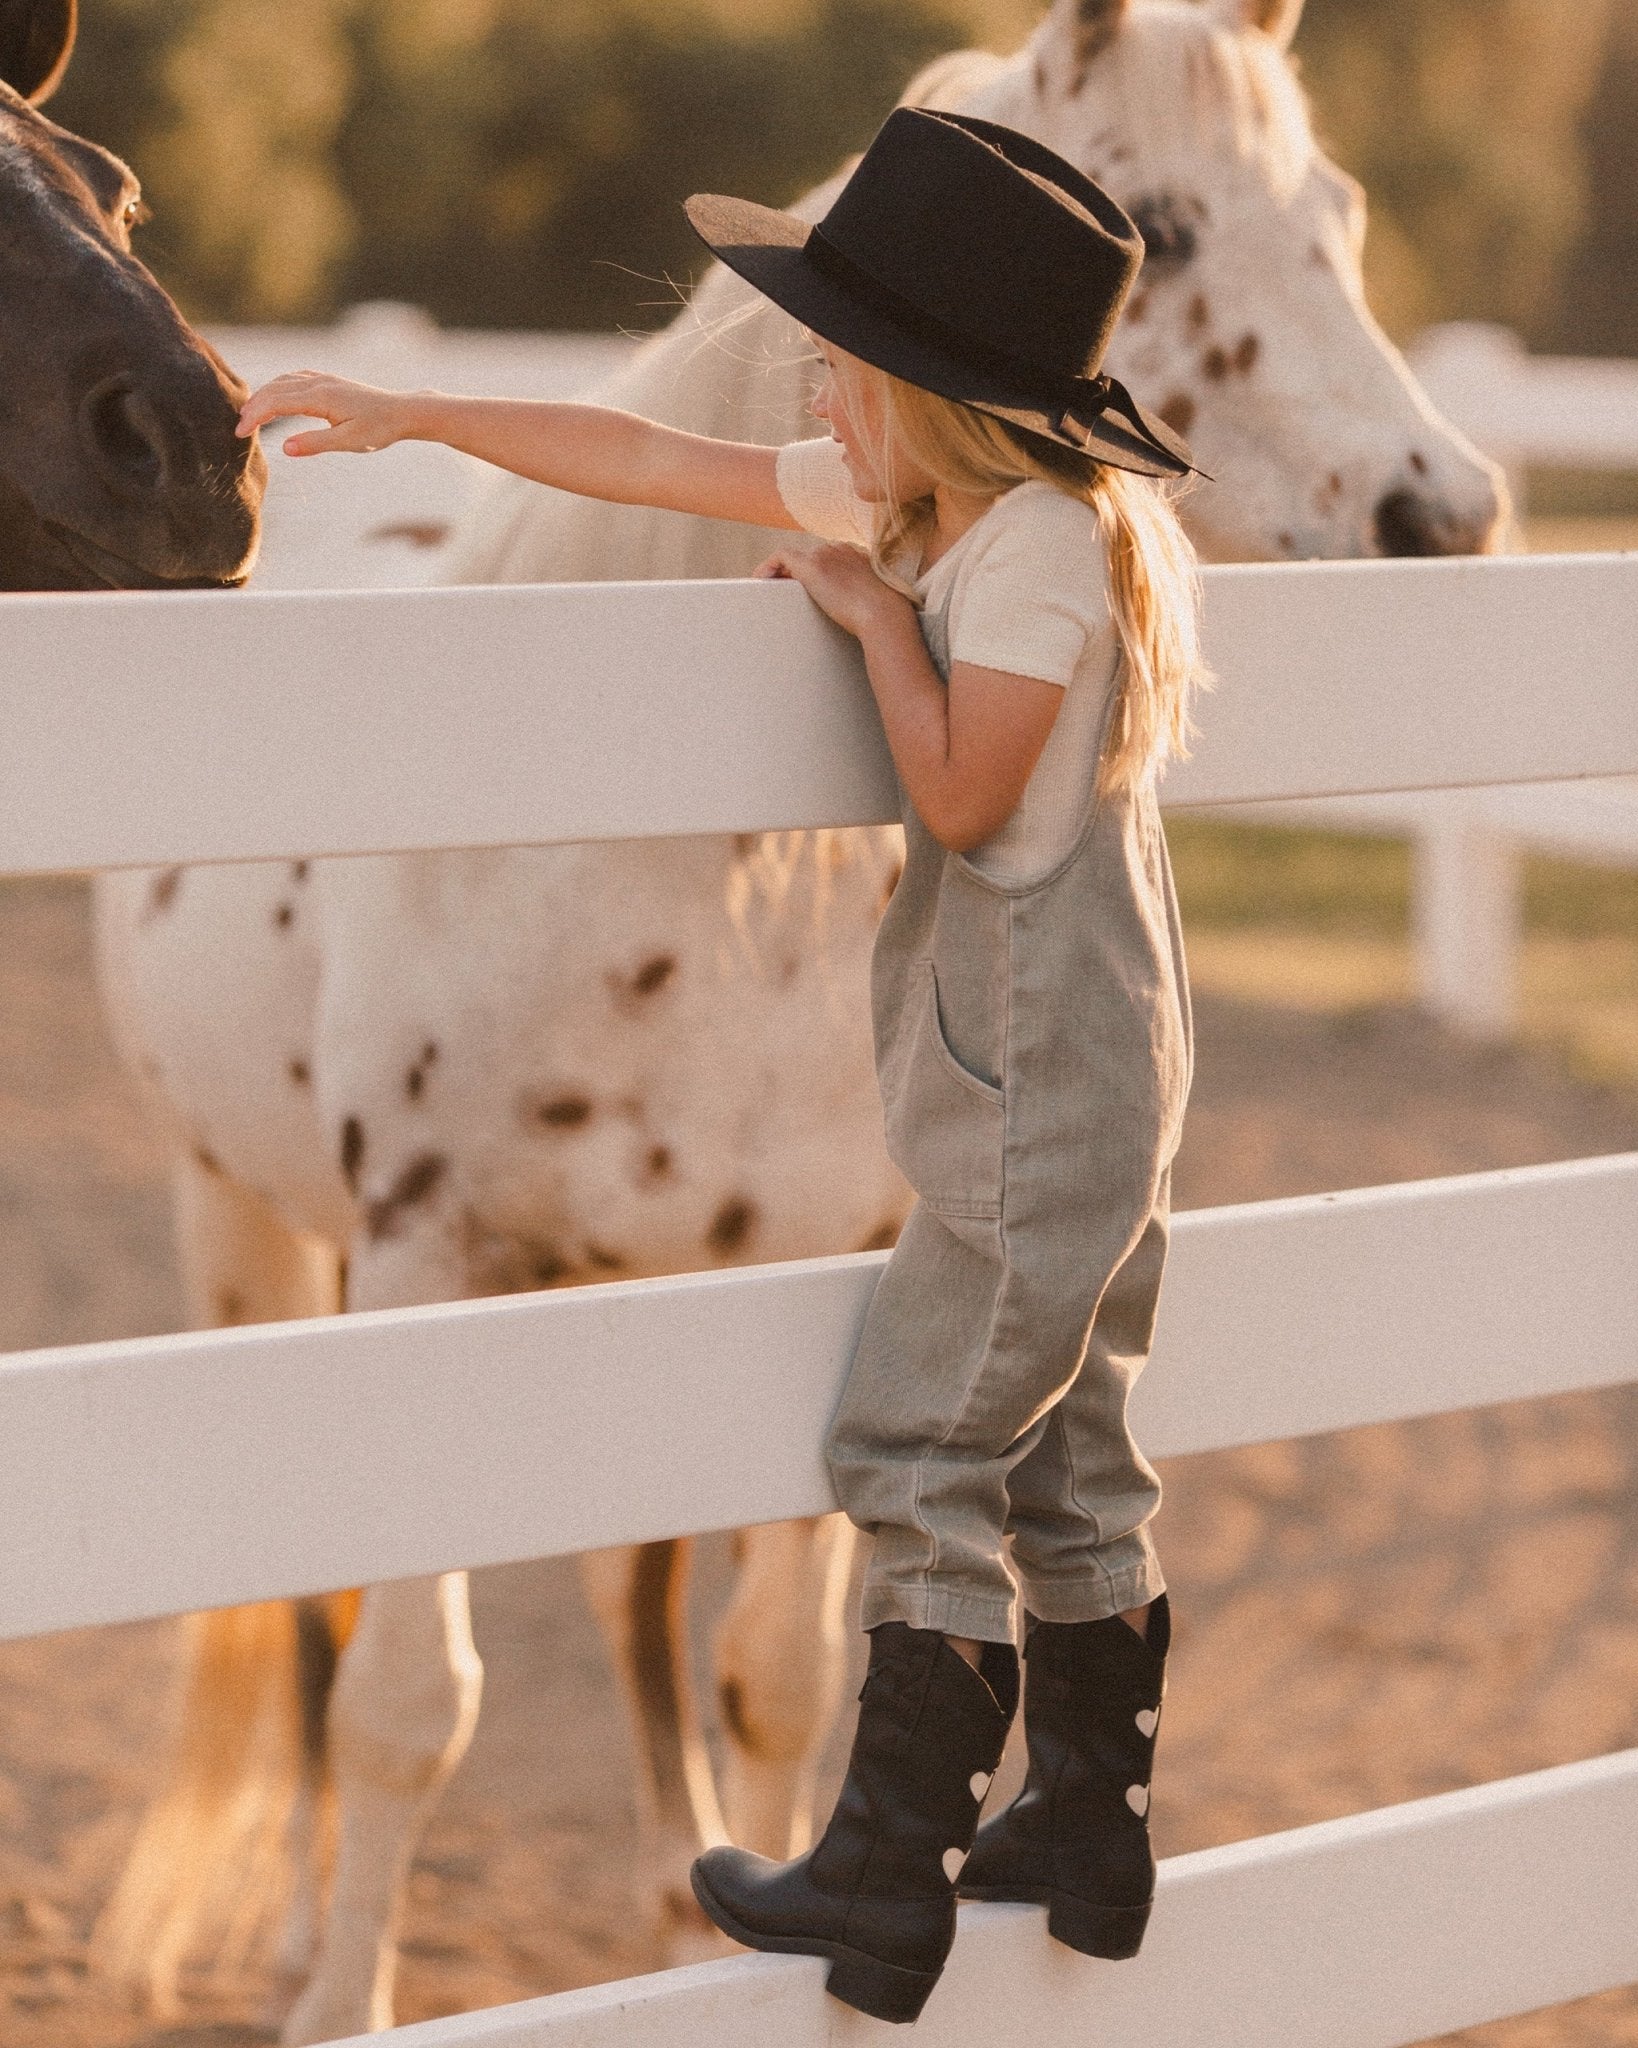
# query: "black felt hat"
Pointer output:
{"type": "Point", "coordinates": [973, 261]}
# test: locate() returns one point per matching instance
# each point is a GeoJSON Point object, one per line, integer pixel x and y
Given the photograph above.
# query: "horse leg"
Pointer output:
{"type": "Point", "coordinates": [210, 1861]}
{"type": "Point", "coordinates": [640, 1598]}
{"type": "Point", "coordinates": [401, 1715]}
{"type": "Point", "coordinates": [780, 1661]}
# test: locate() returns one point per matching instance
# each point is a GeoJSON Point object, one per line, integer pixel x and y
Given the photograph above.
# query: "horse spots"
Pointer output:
{"type": "Point", "coordinates": [284, 916]}
{"type": "Point", "coordinates": [420, 533]}
{"type": "Point", "coordinates": [653, 975]}
{"type": "Point", "coordinates": [162, 890]}
{"type": "Point", "coordinates": [603, 1260]}
{"type": "Point", "coordinates": [1178, 412]}
{"type": "Point", "coordinates": [415, 1074]}
{"type": "Point", "coordinates": [506, 1262]}
{"type": "Point", "coordinates": [731, 1225]}
{"type": "Point", "coordinates": [352, 1151]}
{"type": "Point", "coordinates": [745, 844]}
{"type": "Point", "coordinates": [1040, 79]}
{"type": "Point", "coordinates": [1199, 314]}
{"type": "Point", "coordinates": [203, 1156]}
{"type": "Point", "coordinates": [1333, 484]}
{"type": "Point", "coordinates": [1216, 363]}
{"type": "Point", "coordinates": [229, 1308]}
{"type": "Point", "coordinates": [416, 1181]}
{"type": "Point", "coordinates": [1136, 307]}
{"type": "Point", "coordinates": [298, 872]}
{"type": "Point", "coordinates": [1317, 255]}
{"type": "Point", "coordinates": [1419, 463]}
{"type": "Point", "coordinates": [657, 1166]}
{"type": "Point", "coordinates": [882, 1238]}
{"type": "Point", "coordinates": [731, 1703]}
{"type": "Point", "coordinates": [301, 1074]}
{"type": "Point", "coordinates": [1286, 543]}
{"type": "Point", "coordinates": [563, 1112]}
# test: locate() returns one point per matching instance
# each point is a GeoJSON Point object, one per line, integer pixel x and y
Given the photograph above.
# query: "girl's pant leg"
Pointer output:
{"type": "Point", "coordinates": [1083, 1495]}
{"type": "Point", "coordinates": [964, 1358]}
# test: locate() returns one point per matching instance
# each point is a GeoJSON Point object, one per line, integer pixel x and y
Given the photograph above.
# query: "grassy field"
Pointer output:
{"type": "Point", "coordinates": [1321, 922]}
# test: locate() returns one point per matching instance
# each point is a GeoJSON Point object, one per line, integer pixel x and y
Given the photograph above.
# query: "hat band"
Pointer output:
{"type": "Point", "coordinates": [840, 269]}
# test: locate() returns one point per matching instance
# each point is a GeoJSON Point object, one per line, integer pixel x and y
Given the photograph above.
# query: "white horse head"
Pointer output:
{"type": "Point", "coordinates": [1248, 330]}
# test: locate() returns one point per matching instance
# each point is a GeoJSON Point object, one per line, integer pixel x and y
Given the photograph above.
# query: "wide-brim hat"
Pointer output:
{"type": "Point", "coordinates": [971, 260]}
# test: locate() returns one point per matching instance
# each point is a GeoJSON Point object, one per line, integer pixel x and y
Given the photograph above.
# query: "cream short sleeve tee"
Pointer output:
{"type": "Point", "coordinates": [1028, 592]}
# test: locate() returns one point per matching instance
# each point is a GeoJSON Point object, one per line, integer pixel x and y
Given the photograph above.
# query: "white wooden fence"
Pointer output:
{"type": "Point", "coordinates": [1468, 869]}
{"type": "Point", "coordinates": [382, 524]}
{"type": "Point", "coordinates": [149, 1476]}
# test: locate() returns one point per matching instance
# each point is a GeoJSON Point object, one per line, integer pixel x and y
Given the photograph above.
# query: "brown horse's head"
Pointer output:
{"type": "Point", "coordinates": [119, 466]}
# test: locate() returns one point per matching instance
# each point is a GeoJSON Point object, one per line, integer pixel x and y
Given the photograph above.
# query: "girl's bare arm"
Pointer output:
{"type": "Point", "coordinates": [964, 753]}
{"type": "Point", "coordinates": [592, 449]}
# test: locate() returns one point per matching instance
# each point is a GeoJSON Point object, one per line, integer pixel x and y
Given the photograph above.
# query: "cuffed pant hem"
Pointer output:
{"type": "Point", "coordinates": [979, 1616]}
{"type": "Point", "coordinates": [1093, 1596]}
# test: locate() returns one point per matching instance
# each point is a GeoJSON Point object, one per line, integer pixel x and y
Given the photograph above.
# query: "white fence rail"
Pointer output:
{"type": "Point", "coordinates": [136, 1478]}
{"type": "Point", "coordinates": [383, 524]}
{"type": "Point", "coordinates": [1467, 923]}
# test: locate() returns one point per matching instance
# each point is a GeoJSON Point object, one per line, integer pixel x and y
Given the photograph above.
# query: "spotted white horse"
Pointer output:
{"type": "Point", "coordinates": [465, 1073]}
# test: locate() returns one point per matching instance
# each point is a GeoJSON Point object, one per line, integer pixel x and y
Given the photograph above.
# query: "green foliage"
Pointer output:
{"type": "Point", "coordinates": [1463, 120]}
{"type": "Point", "coordinates": [500, 162]}
{"type": "Point", "coordinates": [1239, 877]}
{"type": "Point", "coordinates": [521, 161]}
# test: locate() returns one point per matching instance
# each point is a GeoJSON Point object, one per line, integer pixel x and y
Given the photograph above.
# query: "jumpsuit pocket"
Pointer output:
{"type": "Point", "coordinates": [945, 1124]}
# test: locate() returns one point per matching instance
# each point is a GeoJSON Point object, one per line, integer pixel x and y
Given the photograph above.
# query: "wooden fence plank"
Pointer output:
{"type": "Point", "coordinates": [156, 727]}
{"type": "Point", "coordinates": [159, 1474]}
{"type": "Point", "coordinates": [1375, 1931]}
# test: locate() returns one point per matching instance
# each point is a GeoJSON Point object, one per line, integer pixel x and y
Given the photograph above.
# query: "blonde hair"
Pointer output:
{"type": "Point", "coordinates": [1154, 591]}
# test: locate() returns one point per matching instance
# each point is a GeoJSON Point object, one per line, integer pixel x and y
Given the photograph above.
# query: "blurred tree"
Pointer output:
{"type": "Point", "coordinates": [1597, 312]}
{"type": "Point", "coordinates": [1462, 120]}
{"type": "Point", "coordinates": [520, 162]}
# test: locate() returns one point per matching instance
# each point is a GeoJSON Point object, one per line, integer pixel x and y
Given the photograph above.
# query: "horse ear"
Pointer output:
{"type": "Point", "coordinates": [36, 41]}
{"type": "Point", "coordinates": [1087, 28]}
{"type": "Point", "coordinates": [1276, 18]}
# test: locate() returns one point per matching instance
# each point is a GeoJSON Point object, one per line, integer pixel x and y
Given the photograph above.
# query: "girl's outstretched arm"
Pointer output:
{"type": "Point", "coordinates": [592, 449]}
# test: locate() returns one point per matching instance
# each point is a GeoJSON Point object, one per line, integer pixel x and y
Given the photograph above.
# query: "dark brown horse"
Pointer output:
{"type": "Point", "coordinates": [119, 466]}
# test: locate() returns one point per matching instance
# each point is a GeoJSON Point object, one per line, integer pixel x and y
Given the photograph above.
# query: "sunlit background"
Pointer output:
{"type": "Point", "coordinates": [1367, 1617]}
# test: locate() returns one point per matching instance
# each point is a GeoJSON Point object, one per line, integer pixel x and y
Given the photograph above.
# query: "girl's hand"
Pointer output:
{"type": "Point", "coordinates": [361, 418]}
{"type": "Point", "coordinates": [842, 584]}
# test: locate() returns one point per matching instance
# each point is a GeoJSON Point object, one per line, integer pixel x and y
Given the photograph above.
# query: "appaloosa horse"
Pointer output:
{"type": "Point", "coordinates": [467, 1073]}
{"type": "Point", "coordinates": [119, 468]}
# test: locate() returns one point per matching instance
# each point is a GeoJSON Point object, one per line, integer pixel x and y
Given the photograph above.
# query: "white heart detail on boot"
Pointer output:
{"type": "Point", "coordinates": [1137, 1798]}
{"type": "Point", "coordinates": [978, 1784]}
{"type": "Point", "coordinates": [952, 1859]}
{"type": "Point", "coordinates": [1148, 1721]}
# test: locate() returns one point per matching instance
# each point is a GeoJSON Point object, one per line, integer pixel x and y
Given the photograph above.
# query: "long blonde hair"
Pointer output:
{"type": "Point", "coordinates": [1154, 588]}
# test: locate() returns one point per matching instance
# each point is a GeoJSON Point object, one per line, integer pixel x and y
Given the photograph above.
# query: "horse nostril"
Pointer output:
{"type": "Point", "coordinates": [1405, 525]}
{"type": "Point", "coordinates": [124, 433]}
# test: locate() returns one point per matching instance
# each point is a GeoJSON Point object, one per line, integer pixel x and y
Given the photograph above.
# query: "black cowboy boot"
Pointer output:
{"type": "Point", "coordinates": [1076, 1839]}
{"type": "Point", "coordinates": [876, 1893]}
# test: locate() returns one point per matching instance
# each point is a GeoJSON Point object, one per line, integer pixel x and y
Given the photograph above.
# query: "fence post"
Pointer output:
{"type": "Point", "coordinates": [1466, 920]}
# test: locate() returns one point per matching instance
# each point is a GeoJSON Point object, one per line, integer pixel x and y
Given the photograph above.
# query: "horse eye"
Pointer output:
{"type": "Point", "coordinates": [1169, 239]}
{"type": "Point", "coordinates": [134, 213]}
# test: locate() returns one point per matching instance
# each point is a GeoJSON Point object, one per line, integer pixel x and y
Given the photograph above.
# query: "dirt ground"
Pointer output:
{"type": "Point", "coordinates": [1363, 1618]}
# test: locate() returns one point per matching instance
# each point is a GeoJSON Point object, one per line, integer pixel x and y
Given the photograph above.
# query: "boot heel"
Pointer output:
{"type": "Point", "coordinates": [1112, 1932]}
{"type": "Point", "coordinates": [881, 1989]}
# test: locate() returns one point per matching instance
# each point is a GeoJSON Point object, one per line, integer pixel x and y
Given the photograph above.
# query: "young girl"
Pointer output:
{"type": "Point", "coordinates": [1025, 603]}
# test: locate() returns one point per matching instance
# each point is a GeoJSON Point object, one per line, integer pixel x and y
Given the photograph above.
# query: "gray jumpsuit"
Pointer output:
{"type": "Point", "coordinates": [1033, 1048]}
